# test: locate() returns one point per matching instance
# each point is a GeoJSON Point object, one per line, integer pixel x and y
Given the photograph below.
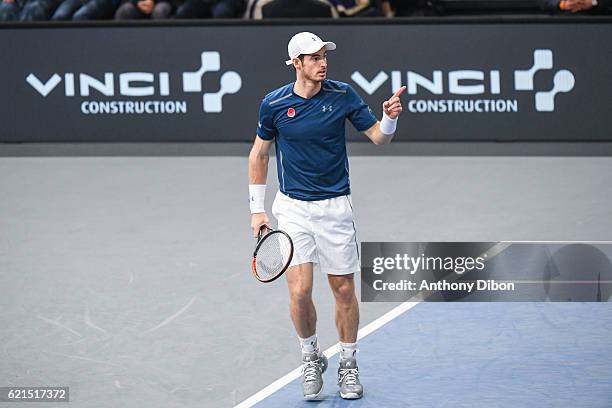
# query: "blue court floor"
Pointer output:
{"type": "Point", "coordinates": [128, 280]}
{"type": "Point", "coordinates": [496, 355]}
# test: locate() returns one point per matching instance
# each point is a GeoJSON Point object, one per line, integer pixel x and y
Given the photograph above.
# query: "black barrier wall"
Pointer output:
{"type": "Point", "coordinates": [473, 82]}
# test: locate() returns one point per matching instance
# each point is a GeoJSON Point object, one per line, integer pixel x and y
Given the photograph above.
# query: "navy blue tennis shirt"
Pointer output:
{"type": "Point", "coordinates": [310, 141]}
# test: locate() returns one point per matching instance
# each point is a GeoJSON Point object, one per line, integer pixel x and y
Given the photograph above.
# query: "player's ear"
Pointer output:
{"type": "Point", "coordinates": [298, 62]}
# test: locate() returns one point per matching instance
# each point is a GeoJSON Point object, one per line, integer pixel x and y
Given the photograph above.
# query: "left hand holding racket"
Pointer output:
{"type": "Point", "coordinates": [259, 221]}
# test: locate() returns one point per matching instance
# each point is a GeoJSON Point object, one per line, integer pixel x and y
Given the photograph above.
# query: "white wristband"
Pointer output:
{"type": "Point", "coordinates": [257, 195]}
{"type": "Point", "coordinates": [388, 125]}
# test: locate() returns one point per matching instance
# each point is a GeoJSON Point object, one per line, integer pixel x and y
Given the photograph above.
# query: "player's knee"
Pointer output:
{"type": "Point", "coordinates": [300, 296]}
{"type": "Point", "coordinates": [345, 292]}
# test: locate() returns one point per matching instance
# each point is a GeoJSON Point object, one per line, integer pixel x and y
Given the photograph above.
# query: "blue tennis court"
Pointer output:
{"type": "Point", "coordinates": [107, 286]}
{"type": "Point", "coordinates": [496, 355]}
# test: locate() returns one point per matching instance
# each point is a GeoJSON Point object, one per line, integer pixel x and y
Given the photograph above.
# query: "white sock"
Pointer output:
{"type": "Point", "coordinates": [310, 344]}
{"type": "Point", "coordinates": [348, 350]}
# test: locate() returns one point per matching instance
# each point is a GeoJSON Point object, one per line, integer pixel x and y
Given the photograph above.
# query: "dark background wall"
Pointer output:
{"type": "Point", "coordinates": [256, 54]}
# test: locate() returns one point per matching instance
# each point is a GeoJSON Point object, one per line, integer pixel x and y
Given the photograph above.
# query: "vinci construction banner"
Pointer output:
{"type": "Point", "coordinates": [506, 82]}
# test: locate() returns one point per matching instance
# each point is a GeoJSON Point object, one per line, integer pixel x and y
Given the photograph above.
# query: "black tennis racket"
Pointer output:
{"type": "Point", "coordinates": [272, 254]}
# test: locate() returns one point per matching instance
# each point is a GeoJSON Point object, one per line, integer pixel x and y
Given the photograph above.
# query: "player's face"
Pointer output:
{"type": "Point", "coordinates": [314, 67]}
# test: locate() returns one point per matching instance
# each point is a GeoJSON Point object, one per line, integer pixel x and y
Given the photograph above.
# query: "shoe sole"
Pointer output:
{"type": "Point", "coordinates": [351, 395]}
{"type": "Point", "coordinates": [313, 396]}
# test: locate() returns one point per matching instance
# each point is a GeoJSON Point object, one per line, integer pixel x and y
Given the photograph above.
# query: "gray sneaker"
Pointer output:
{"type": "Point", "coordinates": [313, 367]}
{"type": "Point", "coordinates": [348, 379]}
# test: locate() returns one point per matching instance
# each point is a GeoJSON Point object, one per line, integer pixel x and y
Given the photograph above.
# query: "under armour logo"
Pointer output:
{"type": "Point", "coordinates": [327, 108]}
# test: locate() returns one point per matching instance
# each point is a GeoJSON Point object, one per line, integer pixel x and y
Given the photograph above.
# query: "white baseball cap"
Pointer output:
{"type": "Point", "coordinates": [306, 43]}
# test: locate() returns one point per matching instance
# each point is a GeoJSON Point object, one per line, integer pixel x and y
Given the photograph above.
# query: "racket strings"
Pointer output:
{"type": "Point", "coordinates": [273, 255]}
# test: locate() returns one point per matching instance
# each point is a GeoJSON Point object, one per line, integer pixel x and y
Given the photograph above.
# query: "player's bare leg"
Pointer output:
{"type": "Point", "coordinates": [304, 316]}
{"type": "Point", "coordinates": [347, 307]}
{"type": "Point", "coordinates": [301, 307]}
{"type": "Point", "coordinates": [347, 323]}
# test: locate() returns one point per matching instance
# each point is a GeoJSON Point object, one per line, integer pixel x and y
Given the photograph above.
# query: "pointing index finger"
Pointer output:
{"type": "Point", "coordinates": [399, 91]}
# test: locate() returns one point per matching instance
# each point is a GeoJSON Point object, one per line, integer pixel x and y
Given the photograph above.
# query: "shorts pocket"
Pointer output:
{"type": "Point", "coordinates": [275, 204]}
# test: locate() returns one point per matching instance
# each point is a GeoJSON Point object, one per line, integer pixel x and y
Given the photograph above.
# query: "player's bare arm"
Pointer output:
{"type": "Point", "coordinates": [392, 108]}
{"type": "Point", "coordinates": [258, 173]}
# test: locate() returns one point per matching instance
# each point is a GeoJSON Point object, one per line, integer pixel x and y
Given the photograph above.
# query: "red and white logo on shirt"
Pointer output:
{"type": "Point", "coordinates": [291, 112]}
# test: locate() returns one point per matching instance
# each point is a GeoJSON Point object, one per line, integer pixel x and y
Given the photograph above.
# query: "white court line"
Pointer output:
{"type": "Point", "coordinates": [330, 352]}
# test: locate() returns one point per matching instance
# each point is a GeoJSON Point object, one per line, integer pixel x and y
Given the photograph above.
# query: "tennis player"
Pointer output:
{"type": "Point", "coordinates": [306, 121]}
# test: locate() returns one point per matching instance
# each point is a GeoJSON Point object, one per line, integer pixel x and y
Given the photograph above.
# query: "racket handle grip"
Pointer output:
{"type": "Point", "coordinates": [262, 230]}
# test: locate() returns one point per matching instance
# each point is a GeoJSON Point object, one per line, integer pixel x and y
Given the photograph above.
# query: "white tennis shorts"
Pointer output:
{"type": "Point", "coordinates": [323, 232]}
